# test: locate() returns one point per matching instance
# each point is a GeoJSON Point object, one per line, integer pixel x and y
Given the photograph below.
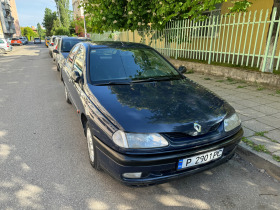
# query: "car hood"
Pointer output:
{"type": "Point", "coordinates": [157, 107]}
{"type": "Point", "coordinates": [65, 54]}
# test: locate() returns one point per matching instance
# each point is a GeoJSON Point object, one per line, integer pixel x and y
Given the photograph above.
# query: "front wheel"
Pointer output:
{"type": "Point", "coordinates": [92, 149]}
{"type": "Point", "coordinates": [67, 95]}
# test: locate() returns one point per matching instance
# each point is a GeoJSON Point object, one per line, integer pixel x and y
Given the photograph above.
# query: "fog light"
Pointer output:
{"type": "Point", "coordinates": [132, 175]}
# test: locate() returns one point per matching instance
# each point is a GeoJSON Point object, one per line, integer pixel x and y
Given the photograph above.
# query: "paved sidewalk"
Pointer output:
{"type": "Point", "coordinates": [258, 108]}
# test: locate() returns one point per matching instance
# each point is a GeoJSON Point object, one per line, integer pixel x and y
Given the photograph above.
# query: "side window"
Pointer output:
{"type": "Point", "coordinates": [58, 44]}
{"type": "Point", "coordinates": [1, 41]}
{"type": "Point", "coordinates": [79, 61]}
{"type": "Point", "coordinates": [72, 54]}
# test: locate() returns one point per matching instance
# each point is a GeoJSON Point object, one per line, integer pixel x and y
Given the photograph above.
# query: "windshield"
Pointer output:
{"type": "Point", "coordinates": [67, 45]}
{"type": "Point", "coordinates": [128, 64]}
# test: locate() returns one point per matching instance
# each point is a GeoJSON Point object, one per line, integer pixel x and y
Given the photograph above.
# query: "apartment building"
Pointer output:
{"type": "Point", "coordinates": [77, 11]}
{"type": "Point", "coordinates": [6, 19]}
{"type": "Point", "coordinates": [15, 16]}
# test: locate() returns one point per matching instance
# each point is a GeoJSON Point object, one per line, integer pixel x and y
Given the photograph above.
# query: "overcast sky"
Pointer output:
{"type": "Point", "coordinates": [31, 12]}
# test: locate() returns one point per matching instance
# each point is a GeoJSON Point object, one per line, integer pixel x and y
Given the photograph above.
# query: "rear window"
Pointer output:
{"type": "Point", "coordinates": [67, 45]}
{"type": "Point", "coordinates": [14, 38]}
{"type": "Point", "coordinates": [36, 39]}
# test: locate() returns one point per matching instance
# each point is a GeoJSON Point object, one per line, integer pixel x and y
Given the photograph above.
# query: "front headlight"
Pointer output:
{"type": "Point", "coordinates": [137, 140]}
{"type": "Point", "coordinates": [232, 122]}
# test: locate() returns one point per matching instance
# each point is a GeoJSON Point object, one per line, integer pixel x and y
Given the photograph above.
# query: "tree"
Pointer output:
{"type": "Point", "coordinates": [28, 32]}
{"type": "Point", "coordinates": [63, 12]}
{"type": "Point", "coordinates": [40, 31]}
{"type": "Point", "coordinates": [59, 30]}
{"type": "Point", "coordinates": [110, 15]}
{"type": "Point", "coordinates": [48, 21]}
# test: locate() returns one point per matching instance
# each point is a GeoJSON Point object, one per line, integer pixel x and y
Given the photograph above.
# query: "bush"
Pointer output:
{"type": "Point", "coordinates": [62, 31]}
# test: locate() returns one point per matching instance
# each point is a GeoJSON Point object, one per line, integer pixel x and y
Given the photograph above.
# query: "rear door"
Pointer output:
{"type": "Point", "coordinates": [67, 70]}
{"type": "Point", "coordinates": [76, 88]}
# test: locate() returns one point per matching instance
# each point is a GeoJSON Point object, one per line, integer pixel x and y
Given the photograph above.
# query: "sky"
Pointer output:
{"type": "Point", "coordinates": [31, 12]}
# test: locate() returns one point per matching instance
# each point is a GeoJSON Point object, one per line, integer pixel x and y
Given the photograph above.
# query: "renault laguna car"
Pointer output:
{"type": "Point", "coordinates": [144, 121]}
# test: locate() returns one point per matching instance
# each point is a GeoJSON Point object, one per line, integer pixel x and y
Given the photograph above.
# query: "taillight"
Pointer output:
{"type": "Point", "coordinates": [8, 45]}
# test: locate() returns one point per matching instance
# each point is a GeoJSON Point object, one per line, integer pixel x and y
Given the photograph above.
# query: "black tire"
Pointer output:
{"type": "Point", "coordinates": [61, 78]}
{"type": "Point", "coordinates": [67, 95]}
{"type": "Point", "coordinates": [93, 159]}
{"type": "Point", "coordinates": [57, 67]}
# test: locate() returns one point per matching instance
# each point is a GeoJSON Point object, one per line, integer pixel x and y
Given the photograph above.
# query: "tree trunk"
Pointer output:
{"type": "Point", "coordinates": [272, 41]}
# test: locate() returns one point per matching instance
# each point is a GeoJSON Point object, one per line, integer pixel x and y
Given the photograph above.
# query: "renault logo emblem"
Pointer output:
{"type": "Point", "coordinates": [197, 127]}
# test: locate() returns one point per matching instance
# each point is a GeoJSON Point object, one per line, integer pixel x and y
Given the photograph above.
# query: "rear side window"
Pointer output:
{"type": "Point", "coordinates": [72, 54]}
{"type": "Point", "coordinates": [1, 41]}
{"type": "Point", "coordinates": [79, 61]}
{"type": "Point", "coordinates": [68, 44]}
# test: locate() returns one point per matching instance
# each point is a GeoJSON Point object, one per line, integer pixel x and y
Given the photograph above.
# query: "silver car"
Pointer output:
{"type": "Point", "coordinates": [5, 46]}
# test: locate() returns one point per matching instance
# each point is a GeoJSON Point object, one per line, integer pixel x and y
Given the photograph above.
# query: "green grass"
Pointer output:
{"type": "Point", "coordinates": [229, 79]}
{"type": "Point", "coordinates": [261, 133]}
{"type": "Point", "coordinates": [260, 88]}
{"type": "Point", "coordinates": [190, 71]}
{"type": "Point", "coordinates": [226, 65]}
{"type": "Point", "coordinates": [277, 91]}
{"type": "Point", "coordinates": [220, 80]}
{"type": "Point", "coordinates": [256, 147]}
{"type": "Point", "coordinates": [240, 86]}
{"type": "Point", "coordinates": [207, 78]}
{"type": "Point", "coordinates": [260, 148]}
{"type": "Point", "coordinates": [276, 157]}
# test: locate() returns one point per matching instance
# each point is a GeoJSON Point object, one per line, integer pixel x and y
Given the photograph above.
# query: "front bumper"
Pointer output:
{"type": "Point", "coordinates": [163, 167]}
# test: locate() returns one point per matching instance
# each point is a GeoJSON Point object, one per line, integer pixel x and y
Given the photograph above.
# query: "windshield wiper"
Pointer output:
{"type": "Point", "coordinates": [152, 79]}
{"type": "Point", "coordinates": [112, 83]}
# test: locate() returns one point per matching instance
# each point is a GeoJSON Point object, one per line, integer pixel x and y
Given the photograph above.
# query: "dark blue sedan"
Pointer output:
{"type": "Point", "coordinates": [144, 121]}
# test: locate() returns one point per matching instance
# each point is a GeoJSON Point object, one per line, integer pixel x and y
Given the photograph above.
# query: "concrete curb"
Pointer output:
{"type": "Point", "coordinates": [259, 160]}
{"type": "Point", "coordinates": [249, 76]}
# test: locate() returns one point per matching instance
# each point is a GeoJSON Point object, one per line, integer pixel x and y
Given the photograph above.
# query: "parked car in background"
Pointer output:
{"type": "Point", "coordinates": [53, 43]}
{"type": "Point", "coordinates": [145, 122]}
{"type": "Point", "coordinates": [63, 48]}
{"type": "Point", "coordinates": [23, 40]}
{"type": "Point", "coordinates": [55, 46]}
{"type": "Point", "coordinates": [47, 41]}
{"type": "Point", "coordinates": [5, 46]}
{"type": "Point", "coordinates": [37, 40]}
{"type": "Point", "coordinates": [16, 41]}
{"type": "Point", "coordinates": [9, 40]}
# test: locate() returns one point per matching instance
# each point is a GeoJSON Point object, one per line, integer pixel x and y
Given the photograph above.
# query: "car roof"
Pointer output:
{"type": "Point", "coordinates": [74, 38]}
{"type": "Point", "coordinates": [116, 44]}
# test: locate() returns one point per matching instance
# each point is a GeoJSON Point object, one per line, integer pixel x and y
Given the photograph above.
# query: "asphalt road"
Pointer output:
{"type": "Point", "coordinates": [44, 161]}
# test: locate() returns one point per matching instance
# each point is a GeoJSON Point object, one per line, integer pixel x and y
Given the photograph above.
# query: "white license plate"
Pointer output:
{"type": "Point", "coordinates": [200, 159]}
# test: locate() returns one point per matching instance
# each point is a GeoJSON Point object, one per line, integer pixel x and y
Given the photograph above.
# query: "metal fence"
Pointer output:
{"type": "Point", "coordinates": [243, 39]}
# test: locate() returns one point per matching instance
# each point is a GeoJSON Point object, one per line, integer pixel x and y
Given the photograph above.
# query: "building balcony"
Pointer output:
{"type": "Point", "coordinates": [10, 19]}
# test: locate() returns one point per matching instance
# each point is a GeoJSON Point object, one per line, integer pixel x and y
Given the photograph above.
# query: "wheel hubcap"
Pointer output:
{"type": "Point", "coordinates": [90, 145]}
{"type": "Point", "coordinates": [66, 94]}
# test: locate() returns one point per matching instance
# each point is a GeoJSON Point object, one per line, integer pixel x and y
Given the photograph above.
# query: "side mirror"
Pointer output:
{"type": "Point", "coordinates": [55, 51]}
{"type": "Point", "coordinates": [76, 76]}
{"type": "Point", "coordinates": [182, 69]}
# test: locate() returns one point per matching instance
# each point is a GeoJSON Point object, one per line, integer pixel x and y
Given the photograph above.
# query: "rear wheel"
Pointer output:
{"type": "Point", "coordinates": [92, 149]}
{"type": "Point", "coordinates": [61, 78]}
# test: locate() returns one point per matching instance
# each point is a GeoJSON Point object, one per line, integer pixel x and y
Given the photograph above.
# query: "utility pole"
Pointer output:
{"type": "Point", "coordinates": [85, 25]}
